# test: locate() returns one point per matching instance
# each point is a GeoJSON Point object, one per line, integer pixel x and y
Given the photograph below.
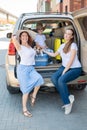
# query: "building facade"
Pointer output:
{"type": "Point", "coordinates": [60, 5]}
{"type": "Point", "coordinates": [6, 17]}
{"type": "Point", "coordinates": [71, 5]}
{"type": "Point", "coordinates": [44, 6]}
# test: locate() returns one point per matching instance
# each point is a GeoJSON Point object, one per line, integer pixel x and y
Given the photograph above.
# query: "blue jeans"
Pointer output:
{"type": "Point", "coordinates": [60, 81]}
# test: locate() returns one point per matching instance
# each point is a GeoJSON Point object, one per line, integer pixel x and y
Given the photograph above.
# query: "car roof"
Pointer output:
{"type": "Point", "coordinates": [45, 15]}
{"type": "Point", "coordinates": [42, 16]}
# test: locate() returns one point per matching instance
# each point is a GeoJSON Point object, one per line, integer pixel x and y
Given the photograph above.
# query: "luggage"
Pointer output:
{"type": "Point", "coordinates": [57, 44]}
{"type": "Point", "coordinates": [41, 60]}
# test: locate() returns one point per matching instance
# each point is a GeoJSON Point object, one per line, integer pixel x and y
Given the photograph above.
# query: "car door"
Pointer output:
{"type": "Point", "coordinates": [80, 19]}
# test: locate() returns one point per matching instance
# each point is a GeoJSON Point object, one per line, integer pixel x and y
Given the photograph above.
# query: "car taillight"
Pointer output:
{"type": "Point", "coordinates": [11, 49]}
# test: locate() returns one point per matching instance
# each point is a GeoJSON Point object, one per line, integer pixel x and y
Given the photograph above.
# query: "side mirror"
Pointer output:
{"type": "Point", "coordinates": [9, 35]}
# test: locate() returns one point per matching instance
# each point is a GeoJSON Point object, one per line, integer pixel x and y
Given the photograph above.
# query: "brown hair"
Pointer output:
{"type": "Point", "coordinates": [39, 27]}
{"type": "Point", "coordinates": [68, 44]}
{"type": "Point", "coordinates": [29, 38]}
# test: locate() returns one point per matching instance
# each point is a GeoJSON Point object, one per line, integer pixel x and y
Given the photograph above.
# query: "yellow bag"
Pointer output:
{"type": "Point", "coordinates": [57, 44]}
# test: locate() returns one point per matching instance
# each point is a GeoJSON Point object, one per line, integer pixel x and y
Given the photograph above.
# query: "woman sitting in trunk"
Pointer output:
{"type": "Point", "coordinates": [70, 69]}
{"type": "Point", "coordinates": [28, 77]}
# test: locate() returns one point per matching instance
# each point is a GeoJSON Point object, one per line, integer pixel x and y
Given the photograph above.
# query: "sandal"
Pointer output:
{"type": "Point", "coordinates": [33, 99]}
{"type": "Point", "coordinates": [27, 113]}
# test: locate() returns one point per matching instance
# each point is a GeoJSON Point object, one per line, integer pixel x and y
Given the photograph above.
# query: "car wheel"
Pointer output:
{"type": "Point", "coordinates": [80, 86]}
{"type": "Point", "coordinates": [12, 90]}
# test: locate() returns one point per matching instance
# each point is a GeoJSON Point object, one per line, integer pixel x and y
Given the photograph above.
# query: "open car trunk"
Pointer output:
{"type": "Point", "coordinates": [80, 19]}
{"type": "Point", "coordinates": [54, 32]}
{"type": "Point", "coordinates": [54, 27]}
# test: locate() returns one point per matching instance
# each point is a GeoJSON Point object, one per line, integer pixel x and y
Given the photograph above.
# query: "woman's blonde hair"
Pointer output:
{"type": "Point", "coordinates": [68, 44]}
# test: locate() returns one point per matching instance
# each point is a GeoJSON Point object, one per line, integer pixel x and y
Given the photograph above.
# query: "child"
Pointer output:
{"type": "Point", "coordinates": [40, 40]}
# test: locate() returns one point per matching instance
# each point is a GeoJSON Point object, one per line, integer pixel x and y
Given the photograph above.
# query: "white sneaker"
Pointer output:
{"type": "Point", "coordinates": [68, 108]}
{"type": "Point", "coordinates": [71, 98]}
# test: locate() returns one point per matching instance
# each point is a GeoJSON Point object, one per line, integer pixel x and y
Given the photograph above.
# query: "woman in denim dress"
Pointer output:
{"type": "Point", "coordinates": [29, 79]}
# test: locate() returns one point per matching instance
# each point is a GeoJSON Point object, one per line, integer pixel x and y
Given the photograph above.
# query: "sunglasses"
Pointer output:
{"type": "Point", "coordinates": [40, 29]}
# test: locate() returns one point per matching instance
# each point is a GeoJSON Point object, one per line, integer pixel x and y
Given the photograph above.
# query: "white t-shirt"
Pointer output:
{"type": "Point", "coordinates": [66, 56]}
{"type": "Point", "coordinates": [40, 39]}
{"type": "Point", "coordinates": [27, 55]}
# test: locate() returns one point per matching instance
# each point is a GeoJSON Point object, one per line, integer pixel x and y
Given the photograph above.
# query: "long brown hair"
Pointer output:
{"type": "Point", "coordinates": [29, 38]}
{"type": "Point", "coordinates": [68, 44]}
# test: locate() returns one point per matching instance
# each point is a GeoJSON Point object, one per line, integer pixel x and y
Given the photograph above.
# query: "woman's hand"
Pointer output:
{"type": "Point", "coordinates": [44, 50]}
{"type": "Point", "coordinates": [52, 54]}
{"type": "Point", "coordinates": [72, 57]}
{"type": "Point", "coordinates": [64, 71]}
{"type": "Point", "coordinates": [15, 42]}
{"type": "Point", "coordinates": [14, 37]}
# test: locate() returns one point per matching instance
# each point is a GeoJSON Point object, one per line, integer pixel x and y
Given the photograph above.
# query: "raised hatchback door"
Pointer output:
{"type": "Point", "coordinates": [80, 19]}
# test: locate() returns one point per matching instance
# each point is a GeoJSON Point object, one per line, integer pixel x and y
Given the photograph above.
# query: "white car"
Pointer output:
{"type": "Point", "coordinates": [2, 27]}
{"type": "Point", "coordinates": [55, 24]}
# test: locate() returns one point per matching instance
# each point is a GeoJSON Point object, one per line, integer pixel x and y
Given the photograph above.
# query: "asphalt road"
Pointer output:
{"type": "Point", "coordinates": [47, 112]}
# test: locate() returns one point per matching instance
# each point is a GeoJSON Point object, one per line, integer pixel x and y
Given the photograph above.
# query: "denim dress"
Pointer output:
{"type": "Point", "coordinates": [27, 76]}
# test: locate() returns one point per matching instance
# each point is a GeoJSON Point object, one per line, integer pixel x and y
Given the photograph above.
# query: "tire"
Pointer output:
{"type": "Point", "coordinates": [47, 89]}
{"type": "Point", "coordinates": [80, 86]}
{"type": "Point", "coordinates": [12, 90]}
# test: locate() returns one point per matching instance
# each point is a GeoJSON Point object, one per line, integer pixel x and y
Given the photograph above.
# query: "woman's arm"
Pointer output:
{"type": "Point", "coordinates": [52, 54]}
{"type": "Point", "coordinates": [72, 57]}
{"type": "Point", "coordinates": [16, 43]}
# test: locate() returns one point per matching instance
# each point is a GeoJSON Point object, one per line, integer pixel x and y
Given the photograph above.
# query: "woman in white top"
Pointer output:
{"type": "Point", "coordinates": [70, 69]}
{"type": "Point", "coordinates": [28, 77]}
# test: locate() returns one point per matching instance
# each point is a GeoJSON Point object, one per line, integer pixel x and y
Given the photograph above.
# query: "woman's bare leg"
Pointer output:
{"type": "Point", "coordinates": [34, 94]}
{"type": "Point", "coordinates": [24, 104]}
{"type": "Point", "coordinates": [24, 101]}
{"type": "Point", "coordinates": [36, 89]}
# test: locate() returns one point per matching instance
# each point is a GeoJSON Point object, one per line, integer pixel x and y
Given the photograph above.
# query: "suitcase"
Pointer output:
{"type": "Point", "coordinates": [41, 60]}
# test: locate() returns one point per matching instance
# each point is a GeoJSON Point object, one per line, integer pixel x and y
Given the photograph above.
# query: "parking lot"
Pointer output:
{"type": "Point", "coordinates": [47, 112]}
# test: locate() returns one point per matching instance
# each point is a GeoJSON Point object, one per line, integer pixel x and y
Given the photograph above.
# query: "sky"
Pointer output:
{"type": "Point", "coordinates": [16, 7]}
